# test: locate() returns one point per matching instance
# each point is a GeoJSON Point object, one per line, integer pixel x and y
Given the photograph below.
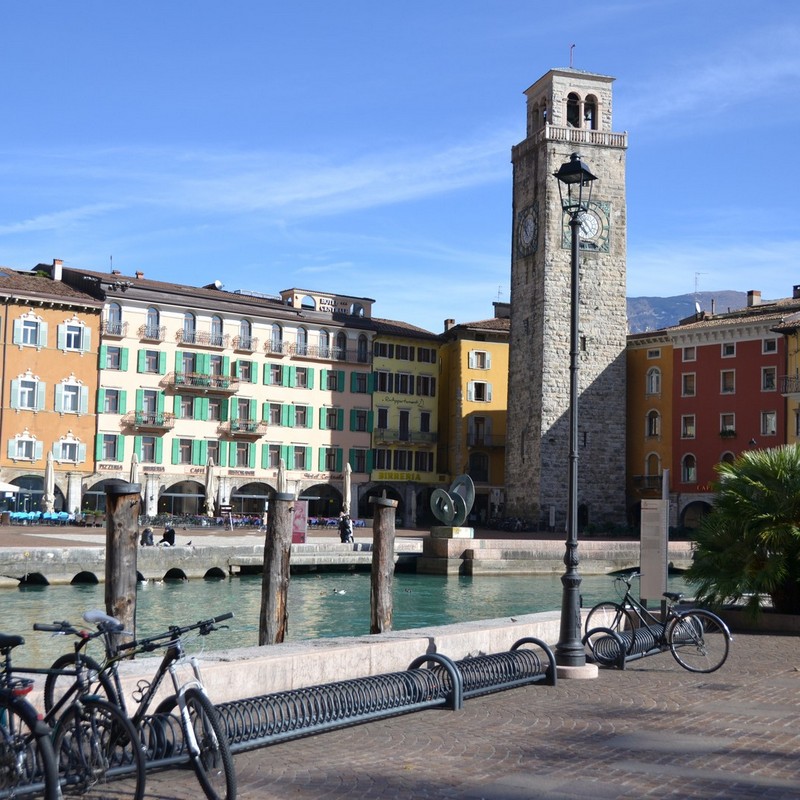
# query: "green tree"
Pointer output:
{"type": "Point", "coordinates": [749, 545]}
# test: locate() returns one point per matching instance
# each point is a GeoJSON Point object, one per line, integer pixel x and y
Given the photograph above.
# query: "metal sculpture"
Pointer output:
{"type": "Point", "coordinates": [452, 507]}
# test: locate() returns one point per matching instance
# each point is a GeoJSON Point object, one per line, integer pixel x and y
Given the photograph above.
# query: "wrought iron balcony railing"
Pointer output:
{"type": "Point", "coordinates": [202, 382]}
{"type": "Point", "coordinates": [244, 428]}
{"type": "Point", "coordinates": [203, 339]}
{"type": "Point", "coordinates": [114, 329]}
{"type": "Point", "coordinates": [149, 420]}
{"type": "Point", "coordinates": [790, 384]}
{"type": "Point", "coordinates": [153, 333]}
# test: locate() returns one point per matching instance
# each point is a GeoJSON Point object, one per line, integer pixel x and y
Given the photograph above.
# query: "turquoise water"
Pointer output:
{"type": "Point", "coordinates": [321, 605]}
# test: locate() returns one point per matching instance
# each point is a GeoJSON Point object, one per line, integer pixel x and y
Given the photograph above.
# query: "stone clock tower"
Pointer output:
{"type": "Point", "coordinates": [568, 111]}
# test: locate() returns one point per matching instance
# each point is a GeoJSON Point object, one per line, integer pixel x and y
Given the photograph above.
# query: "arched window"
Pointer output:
{"type": "Point", "coordinates": [114, 323]}
{"type": "Point", "coordinates": [590, 113]}
{"type": "Point", "coordinates": [728, 457]}
{"type": "Point", "coordinates": [302, 342]}
{"type": "Point", "coordinates": [341, 346]}
{"type": "Point", "coordinates": [363, 349]}
{"type": "Point", "coordinates": [216, 331]}
{"type": "Point", "coordinates": [652, 466]}
{"type": "Point", "coordinates": [276, 339]}
{"type": "Point", "coordinates": [573, 110]}
{"type": "Point", "coordinates": [153, 325]}
{"type": "Point", "coordinates": [653, 424]}
{"type": "Point", "coordinates": [653, 381]}
{"type": "Point", "coordinates": [324, 344]}
{"type": "Point", "coordinates": [245, 335]}
{"type": "Point", "coordinates": [689, 469]}
{"type": "Point", "coordinates": [189, 327]}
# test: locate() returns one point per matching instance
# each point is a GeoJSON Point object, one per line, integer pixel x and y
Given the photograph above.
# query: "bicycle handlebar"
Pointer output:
{"type": "Point", "coordinates": [149, 643]}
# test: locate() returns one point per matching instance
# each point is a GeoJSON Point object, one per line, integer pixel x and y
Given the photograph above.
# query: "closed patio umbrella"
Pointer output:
{"type": "Point", "coordinates": [49, 499]}
{"type": "Point", "coordinates": [209, 502]}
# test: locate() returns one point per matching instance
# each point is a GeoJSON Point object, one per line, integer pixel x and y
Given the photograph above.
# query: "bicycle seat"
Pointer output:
{"type": "Point", "coordinates": [674, 596]}
{"type": "Point", "coordinates": [97, 617]}
{"type": "Point", "coordinates": [8, 641]}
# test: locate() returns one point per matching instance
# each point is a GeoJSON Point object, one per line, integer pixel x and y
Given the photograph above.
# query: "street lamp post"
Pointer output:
{"type": "Point", "coordinates": [575, 189]}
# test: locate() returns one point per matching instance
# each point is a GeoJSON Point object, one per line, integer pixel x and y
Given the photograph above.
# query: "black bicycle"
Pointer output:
{"type": "Point", "coordinates": [204, 734]}
{"type": "Point", "coordinates": [28, 764]}
{"type": "Point", "coordinates": [618, 631]}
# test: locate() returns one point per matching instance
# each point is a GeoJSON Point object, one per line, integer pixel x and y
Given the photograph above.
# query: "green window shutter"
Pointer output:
{"type": "Point", "coordinates": [226, 365]}
{"type": "Point", "coordinates": [160, 402]}
{"type": "Point", "coordinates": [265, 374]}
{"type": "Point", "coordinates": [139, 400]}
{"type": "Point", "coordinates": [339, 459]}
{"type": "Point", "coordinates": [15, 393]}
{"type": "Point", "coordinates": [285, 412]}
{"type": "Point", "coordinates": [101, 400]}
{"type": "Point", "coordinates": [309, 417]}
{"type": "Point", "coordinates": [323, 378]}
{"type": "Point", "coordinates": [293, 377]}
{"type": "Point", "coordinates": [370, 419]}
{"type": "Point", "coordinates": [98, 447]}
{"type": "Point", "coordinates": [178, 361]}
{"type": "Point", "coordinates": [264, 456]}
{"type": "Point", "coordinates": [223, 454]}
{"type": "Point", "coordinates": [321, 460]}
{"type": "Point", "coordinates": [371, 380]}
{"type": "Point", "coordinates": [162, 363]}
{"type": "Point", "coordinates": [141, 360]}
{"type": "Point", "coordinates": [42, 334]}
{"type": "Point", "coordinates": [352, 419]}
{"type": "Point", "coordinates": [137, 446]}
{"type": "Point", "coordinates": [86, 339]}
{"type": "Point", "coordinates": [41, 392]}
{"type": "Point", "coordinates": [83, 400]}
{"type": "Point", "coordinates": [351, 455]}
{"type": "Point", "coordinates": [81, 453]}
{"type": "Point", "coordinates": [253, 408]}
{"type": "Point", "coordinates": [265, 411]}
{"type": "Point", "coordinates": [123, 359]}
{"type": "Point", "coordinates": [307, 461]}
{"type": "Point", "coordinates": [251, 455]}
{"type": "Point", "coordinates": [176, 449]}
{"type": "Point", "coordinates": [103, 356]}
{"type": "Point", "coordinates": [339, 419]}
{"type": "Point", "coordinates": [285, 453]}
{"type": "Point", "coordinates": [38, 450]}
{"type": "Point", "coordinates": [197, 408]}
{"type": "Point", "coordinates": [353, 381]}
{"type": "Point", "coordinates": [176, 405]}
{"type": "Point", "coordinates": [234, 415]}
{"type": "Point", "coordinates": [236, 373]}
{"type": "Point", "coordinates": [223, 410]}
{"type": "Point", "coordinates": [196, 454]}
{"type": "Point", "coordinates": [310, 374]}
{"type": "Point", "coordinates": [370, 461]}
{"type": "Point", "coordinates": [123, 401]}
{"type": "Point", "coordinates": [204, 359]}
{"type": "Point", "coordinates": [322, 425]}
{"type": "Point", "coordinates": [203, 451]}
{"type": "Point", "coordinates": [159, 449]}
{"type": "Point", "coordinates": [287, 376]}
{"type": "Point", "coordinates": [120, 448]}
{"type": "Point", "coordinates": [61, 339]}
{"type": "Point", "coordinates": [17, 335]}
{"type": "Point", "coordinates": [340, 380]}
{"type": "Point", "coordinates": [12, 449]}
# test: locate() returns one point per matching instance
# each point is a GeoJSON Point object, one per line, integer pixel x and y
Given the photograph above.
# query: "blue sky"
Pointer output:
{"type": "Point", "coordinates": [364, 147]}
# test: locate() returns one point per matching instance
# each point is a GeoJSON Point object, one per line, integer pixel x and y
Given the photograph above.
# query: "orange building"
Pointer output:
{"type": "Point", "coordinates": [49, 335]}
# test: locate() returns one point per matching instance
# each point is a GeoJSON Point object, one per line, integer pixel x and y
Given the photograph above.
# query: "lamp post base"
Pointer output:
{"type": "Point", "coordinates": [583, 673]}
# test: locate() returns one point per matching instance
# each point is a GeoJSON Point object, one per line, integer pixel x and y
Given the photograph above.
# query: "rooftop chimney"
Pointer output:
{"type": "Point", "coordinates": [796, 292]}
{"type": "Point", "coordinates": [753, 298]}
{"type": "Point", "coordinates": [57, 267]}
{"type": "Point", "coordinates": [115, 272]}
{"type": "Point", "coordinates": [139, 275]}
{"type": "Point", "coordinates": [449, 323]}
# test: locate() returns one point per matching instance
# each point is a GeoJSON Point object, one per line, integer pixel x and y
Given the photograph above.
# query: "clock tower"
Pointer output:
{"type": "Point", "coordinates": [568, 111]}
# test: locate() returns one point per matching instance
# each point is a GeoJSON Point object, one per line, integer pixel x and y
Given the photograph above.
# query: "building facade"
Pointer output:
{"type": "Point", "coordinates": [567, 111]}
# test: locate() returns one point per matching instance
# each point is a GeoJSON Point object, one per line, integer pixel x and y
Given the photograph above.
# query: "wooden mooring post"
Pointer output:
{"type": "Point", "coordinates": [274, 620]}
{"type": "Point", "coordinates": [382, 573]}
{"type": "Point", "coordinates": [123, 504]}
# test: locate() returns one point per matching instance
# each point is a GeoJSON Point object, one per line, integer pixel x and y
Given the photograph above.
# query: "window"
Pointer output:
{"type": "Point", "coordinates": [403, 459]}
{"type": "Point", "coordinates": [404, 353]}
{"type": "Point", "coordinates": [330, 459]}
{"type": "Point", "coordinates": [28, 394]}
{"type": "Point", "coordinates": [189, 328]}
{"type": "Point", "coordinates": [769, 423]}
{"type": "Point", "coordinates": [147, 449]}
{"type": "Point", "coordinates": [113, 359]}
{"type": "Point", "coordinates": [149, 361]}
{"type": "Point", "coordinates": [689, 353]}
{"type": "Point", "coordinates": [242, 455]}
{"type": "Point", "coordinates": [423, 462]}
{"type": "Point", "coordinates": [383, 419]}
{"type": "Point", "coordinates": [114, 322]}
{"type": "Point", "coordinates": [111, 401]}
{"type": "Point", "coordinates": [331, 419]}
{"type": "Point", "coordinates": [383, 458]}
{"type": "Point", "coordinates": [275, 375]}
{"type": "Point", "coordinates": [404, 383]}
{"type": "Point", "coordinates": [245, 335]}
{"type": "Point", "coordinates": [184, 451]}
{"type": "Point", "coordinates": [73, 336]}
{"type": "Point", "coordinates": [360, 383]}
{"type": "Point", "coordinates": [212, 450]}
{"type": "Point", "coordinates": [425, 421]}
{"type": "Point", "coordinates": [185, 409]}
{"type": "Point", "coordinates": [70, 398]}
{"type": "Point", "coordinates": [384, 381]}
{"type": "Point", "coordinates": [301, 416]}
{"type": "Point", "coordinates": [768, 379]}
{"type": "Point", "coordinates": [654, 353]}
{"type": "Point", "coordinates": [360, 419]}
{"type": "Point", "coordinates": [426, 355]}
{"type": "Point", "coordinates": [362, 351]}
{"type": "Point", "coordinates": [109, 447]}
{"type": "Point", "coordinates": [276, 339]}
{"type": "Point", "coordinates": [479, 391]}
{"type": "Point", "coordinates": [246, 371]}
{"type": "Point", "coordinates": [341, 346]}
{"type": "Point", "coordinates": [216, 332]}
{"type": "Point", "coordinates": [23, 448]}
{"type": "Point", "coordinates": [273, 456]}
{"type": "Point", "coordinates": [479, 466]}
{"type": "Point", "coordinates": [301, 378]}
{"type": "Point", "coordinates": [299, 457]}
{"type": "Point", "coordinates": [727, 424]}
{"type": "Point", "coordinates": [150, 402]}
{"type": "Point", "coordinates": [688, 384]}
{"type": "Point", "coordinates": [727, 380]}
{"type": "Point", "coordinates": [426, 386]}
{"type": "Point", "coordinates": [152, 328]}
{"type": "Point", "coordinates": [383, 350]}
{"type": "Point", "coordinates": [728, 349]}
{"type": "Point", "coordinates": [324, 344]}
{"type": "Point", "coordinates": [687, 426]}
{"type": "Point", "coordinates": [331, 380]}
{"type": "Point", "coordinates": [689, 469]}
{"type": "Point", "coordinates": [301, 347]}
{"type": "Point", "coordinates": [479, 359]}
{"type": "Point", "coordinates": [653, 424]}
{"type": "Point", "coordinates": [66, 450]}
{"type": "Point", "coordinates": [359, 460]}
{"type": "Point", "coordinates": [243, 409]}
{"type": "Point", "coordinates": [653, 381]}
{"type": "Point", "coordinates": [769, 346]}
{"type": "Point", "coordinates": [215, 409]}
{"type": "Point", "coordinates": [275, 414]}
{"type": "Point", "coordinates": [30, 331]}
{"type": "Point", "coordinates": [215, 365]}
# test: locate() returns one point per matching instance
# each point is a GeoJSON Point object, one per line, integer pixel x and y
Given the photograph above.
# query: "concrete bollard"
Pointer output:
{"type": "Point", "coordinates": [382, 574]}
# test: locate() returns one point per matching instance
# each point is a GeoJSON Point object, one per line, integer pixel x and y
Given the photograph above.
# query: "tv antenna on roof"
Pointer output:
{"type": "Point", "coordinates": [571, 54]}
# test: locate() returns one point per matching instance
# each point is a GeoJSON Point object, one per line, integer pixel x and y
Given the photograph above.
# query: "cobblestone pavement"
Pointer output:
{"type": "Point", "coordinates": [652, 731]}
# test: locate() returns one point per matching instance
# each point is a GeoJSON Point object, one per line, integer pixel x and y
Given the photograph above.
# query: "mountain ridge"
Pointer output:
{"type": "Point", "coordinates": [655, 313]}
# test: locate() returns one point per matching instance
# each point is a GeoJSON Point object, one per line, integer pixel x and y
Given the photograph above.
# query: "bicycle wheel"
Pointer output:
{"type": "Point", "coordinates": [27, 763]}
{"type": "Point", "coordinates": [99, 753]}
{"type": "Point", "coordinates": [612, 616]}
{"type": "Point", "coordinates": [57, 685]}
{"type": "Point", "coordinates": [699, 641]}
{"type": "Point", "coordinates": [214, 763]}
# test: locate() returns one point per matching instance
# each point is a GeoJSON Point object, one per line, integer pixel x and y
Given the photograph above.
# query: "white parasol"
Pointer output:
{"type": "Point", "coordinates": [134, 468]}
{"type": "Point", "coordinates": [49, 499]}
{"type": "Point", "coordinates": [348, 471]}
{"type": "Point", "coordinates": [8, 487]}
{"type": "Point", "coordinates": [209, 503]}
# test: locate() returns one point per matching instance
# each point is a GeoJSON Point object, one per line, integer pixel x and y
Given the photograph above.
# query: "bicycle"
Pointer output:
{"type": "Point", "coordinates": [96, 746]}
{"type": "Point", "coordinates": [618, 631]}
{"type": "Point", "coordinates": [204, 733]}
{"type": "Point", "coordinates": [28, 764]}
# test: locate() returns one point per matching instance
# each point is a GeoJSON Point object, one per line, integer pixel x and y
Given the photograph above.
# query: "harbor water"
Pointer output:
{"type": "Point", "coordinates": [319, 605]}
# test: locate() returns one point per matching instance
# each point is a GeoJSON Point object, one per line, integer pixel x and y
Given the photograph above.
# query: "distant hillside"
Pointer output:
{"type": "Point", "coordinates": [653, 313]}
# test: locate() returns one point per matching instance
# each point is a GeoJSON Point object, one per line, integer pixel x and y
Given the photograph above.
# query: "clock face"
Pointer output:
{"type": "Point", "coordinates": [527, 230]}
{"type": "Point", "coordinates": [590, 224]}
{"type": "Point", "coordinates": [595, 228]}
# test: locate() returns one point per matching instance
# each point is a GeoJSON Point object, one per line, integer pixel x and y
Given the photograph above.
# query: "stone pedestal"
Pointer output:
{"type": "Point", "coordinates": [447, 532]}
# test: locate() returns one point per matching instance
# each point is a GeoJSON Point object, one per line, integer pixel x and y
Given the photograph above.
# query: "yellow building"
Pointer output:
{"type": "Point", "coordinates": [472, 409]}
{"type": "Point", "coordinates": [789, 382]}
{"type": "Point", "coordinates": [50, 334]}
{"type": "Point", "coordinates": [649, 398]}
{"type": "Point", "coordinates": [405, 419]}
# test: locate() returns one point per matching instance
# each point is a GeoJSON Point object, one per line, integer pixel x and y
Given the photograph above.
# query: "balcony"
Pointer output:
{"type": "Point", "coordinates": [391, 435]}
{"type": "Point", "coordinates": [244, 429]}
{"type": "Point", "coordinates": [790, 385]}
{"type": "Point", "coordinates": [152, 333]}
{"type": "Point", "coordinates": [245, 344]}
{"type": "Point", "coordinates": [648, 485]}
{"type": "Point", "coordinates": [317, 353]}
{"type": "Point", "coordinates": [113, 329]}
{"type": "Point", "coordinates": [149, 421]}
{"type": "Point", "coordinates": [218, 341]}
{"type": "Point", "coordinates": [202, 383]}
{"type": "Point", "coordinates": [485, 440]}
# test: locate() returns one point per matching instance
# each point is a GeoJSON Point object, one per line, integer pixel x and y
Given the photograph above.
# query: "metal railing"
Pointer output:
{"type": "Point", "coordinates": [789, 384]}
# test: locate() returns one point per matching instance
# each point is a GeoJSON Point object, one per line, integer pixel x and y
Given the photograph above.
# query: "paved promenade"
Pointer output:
{"type": "Point", "coordinates": [653, 731]}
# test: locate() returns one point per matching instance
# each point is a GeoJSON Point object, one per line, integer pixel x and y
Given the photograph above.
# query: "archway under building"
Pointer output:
{"type": "Point", "coordinates": [366, 510]}
{"type": "Point", "coordinates": [324, 500]}
{"type": "Point", "coordinates": [94, 498]}
{"type": "Point", "coordinates": [183, 498]}
{"type": "Point", "coordinates": [692, 514]}
{"type": "Point", "coordinates": [30, 496]}
{"type": "Point", "coordinates": [251, 498]}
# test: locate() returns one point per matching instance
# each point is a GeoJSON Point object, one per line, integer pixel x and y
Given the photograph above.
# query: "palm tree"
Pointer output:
{"type": "Point", "coordinates": [749, 545]}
